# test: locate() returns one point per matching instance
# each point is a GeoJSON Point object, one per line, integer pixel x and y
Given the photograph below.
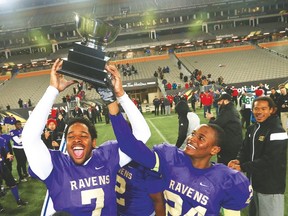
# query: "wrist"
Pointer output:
{"type": "Point", "coordinates": [120, 93]}
{"type": "Point", "coordinates": [122, 98]}
{"type": "Point", "coordinates": [113, 108]}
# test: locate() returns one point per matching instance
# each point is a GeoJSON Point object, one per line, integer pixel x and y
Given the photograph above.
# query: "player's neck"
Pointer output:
{"type": "Point", "coordinates": [200, 163]}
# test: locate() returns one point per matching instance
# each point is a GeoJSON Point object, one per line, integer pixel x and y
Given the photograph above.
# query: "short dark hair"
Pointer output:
{"type": "Point", "coordinates": [281, 86]}
{"type": "Point", "coordinates": [87, 122]}
{"type": "Point", "coordinates": [219, 132]}
{"type": "Point", "coordinates": [271, 103]}
{"type": "Point", "coordinates": [17, 122]}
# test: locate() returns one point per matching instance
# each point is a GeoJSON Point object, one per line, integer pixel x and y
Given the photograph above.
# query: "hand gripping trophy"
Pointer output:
{"type": "Point", "coordinates": [86, 61]}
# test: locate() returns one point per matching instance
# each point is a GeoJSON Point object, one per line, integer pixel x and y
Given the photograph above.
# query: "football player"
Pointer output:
{"type": "Point", "coordinates": [82, 182]}
{"type": "Point", "coordinates": [193, 184]}
{"type": "Point", "coordinates": [139, 191]}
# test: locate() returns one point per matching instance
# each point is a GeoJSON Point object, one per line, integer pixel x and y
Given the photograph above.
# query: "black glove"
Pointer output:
{"type": "Point", "coordinates": [106, 93]}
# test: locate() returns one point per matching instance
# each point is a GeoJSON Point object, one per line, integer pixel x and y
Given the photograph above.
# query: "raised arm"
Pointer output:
{"type": "Point", "coordinates": [36, 151]}
{"type": "Point", "coordinates": [131, 144]}
{"type": "Point", "coordinates": [140, 128]}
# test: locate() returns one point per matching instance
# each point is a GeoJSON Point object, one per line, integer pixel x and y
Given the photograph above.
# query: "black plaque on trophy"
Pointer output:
{"type": "Point", "coordinates": [87, 60]}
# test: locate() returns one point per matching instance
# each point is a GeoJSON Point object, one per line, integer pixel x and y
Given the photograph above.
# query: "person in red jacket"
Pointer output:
{"type": "Point", "coordinates": [234, 95]}
{"type": "Point", "coordinates": [207, 101]}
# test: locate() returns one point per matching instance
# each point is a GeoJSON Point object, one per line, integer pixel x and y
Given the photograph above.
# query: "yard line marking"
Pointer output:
{"type": "Point", "coordinates": [156, 129]}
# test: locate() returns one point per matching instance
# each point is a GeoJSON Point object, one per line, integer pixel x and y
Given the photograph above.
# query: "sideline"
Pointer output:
{"type": "Point", "coordinates": [156, 129]}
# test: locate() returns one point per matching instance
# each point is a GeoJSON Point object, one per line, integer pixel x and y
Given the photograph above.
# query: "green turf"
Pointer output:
{"type": "Point", "coordinates": [162, 128]}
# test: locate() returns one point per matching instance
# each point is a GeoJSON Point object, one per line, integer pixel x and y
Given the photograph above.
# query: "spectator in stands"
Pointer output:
{"type": "Point", "coordinates": [8, 107]}
{"type": "Point", "coordinates": [20, 103]}
{"type": "Point", "coordinates": [191, 85]}
{"type": "Point", "coordinates": [283, 106]}
{"type": "Point", "coordinates": [220, 81]}
{"type": "Point", "coordinates": [167, 69]}
{"type": "Point", "coordinates": [29, 103]}
{"type": "Point", "coordinates": [181, 75]}
{"type": "Point", "coordinates": [185, 78]}
{"type": "Point", "coordinates": [161, 75]}
{"type": "Point", "coordinates": [155, 74]}
{"type": "Point", "coordinates": [186, 85]}
{"type": "Point", "coordinates": [168, 86]}
{"type": "Point", "coordinates": [174, 85]}
{"type": "Point", "coordinates": [179, 64]}
{"type": "Point", "coordinates": [164, 82]}
{"type": "Point", "coordinates": [209, 78]}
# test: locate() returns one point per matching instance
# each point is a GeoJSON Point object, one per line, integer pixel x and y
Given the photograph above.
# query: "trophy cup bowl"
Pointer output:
{"type": "Point", "coordinates": [87, 60]}
{"type": "Point", "coordinates": [96, 32]}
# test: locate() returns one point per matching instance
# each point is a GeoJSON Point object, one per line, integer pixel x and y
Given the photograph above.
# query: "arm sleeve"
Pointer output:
{"type": "Point", "coordinates": [36, 151]}
{"type": "Point", "coordinates": [129, 144]}
{"type": "Point", "coordinates": [237, 191]}
{"type": "Point", "coordinates": [140, 128]}
{"type": "Point", "coordinates": [221, 120]}
{"type": "Point", "coordinates": [17, 139]}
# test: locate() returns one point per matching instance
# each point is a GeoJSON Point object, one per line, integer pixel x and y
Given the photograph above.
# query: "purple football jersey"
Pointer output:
{"type": "Point", "coordinates": [16, 133]}
{"type": "Point", "coordinates": [134, 184]}
{"type": "Point", "coordinates": [191, 191]}
{"type": "Point", "coordinates": [85, 189]}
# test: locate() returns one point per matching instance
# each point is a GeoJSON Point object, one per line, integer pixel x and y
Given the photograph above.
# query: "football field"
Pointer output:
{"type": "Point", "coordinates": [163, 129]}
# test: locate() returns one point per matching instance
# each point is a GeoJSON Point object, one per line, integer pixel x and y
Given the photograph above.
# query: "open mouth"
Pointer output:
{"type": "Point", "coordinates": [78, 152]}
{"type": "Point", "coordinates": [191, 146]}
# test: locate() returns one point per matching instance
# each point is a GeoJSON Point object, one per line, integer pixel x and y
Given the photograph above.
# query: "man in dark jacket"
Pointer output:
{"type": "Point", "coordinates": [229, 120]}
{"type": "Point", "coordinates": [263, 157]}
{"type": "Point", "coordinates": [283, 106]}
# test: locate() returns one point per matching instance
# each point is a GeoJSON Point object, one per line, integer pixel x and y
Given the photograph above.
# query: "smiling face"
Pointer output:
{"type": "Point", "coordinates": [79, 143]}
{"type": "Point", "coordinates": [262, 110]}
{"type": "Point", "coordinates": [201, 144]}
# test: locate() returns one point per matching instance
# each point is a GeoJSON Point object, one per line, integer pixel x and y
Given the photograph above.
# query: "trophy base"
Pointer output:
{"type": "Point", "coordinates": [86, 64]}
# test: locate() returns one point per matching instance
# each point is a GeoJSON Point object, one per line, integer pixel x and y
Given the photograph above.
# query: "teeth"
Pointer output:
{"type": "Point", "coordinates": [77, 148]}
{"type": "Point", "coordinates": [191, 146]}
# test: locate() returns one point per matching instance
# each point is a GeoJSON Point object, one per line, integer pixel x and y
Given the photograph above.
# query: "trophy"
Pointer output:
{"type": "Point", "coordinates": [87, 60]}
